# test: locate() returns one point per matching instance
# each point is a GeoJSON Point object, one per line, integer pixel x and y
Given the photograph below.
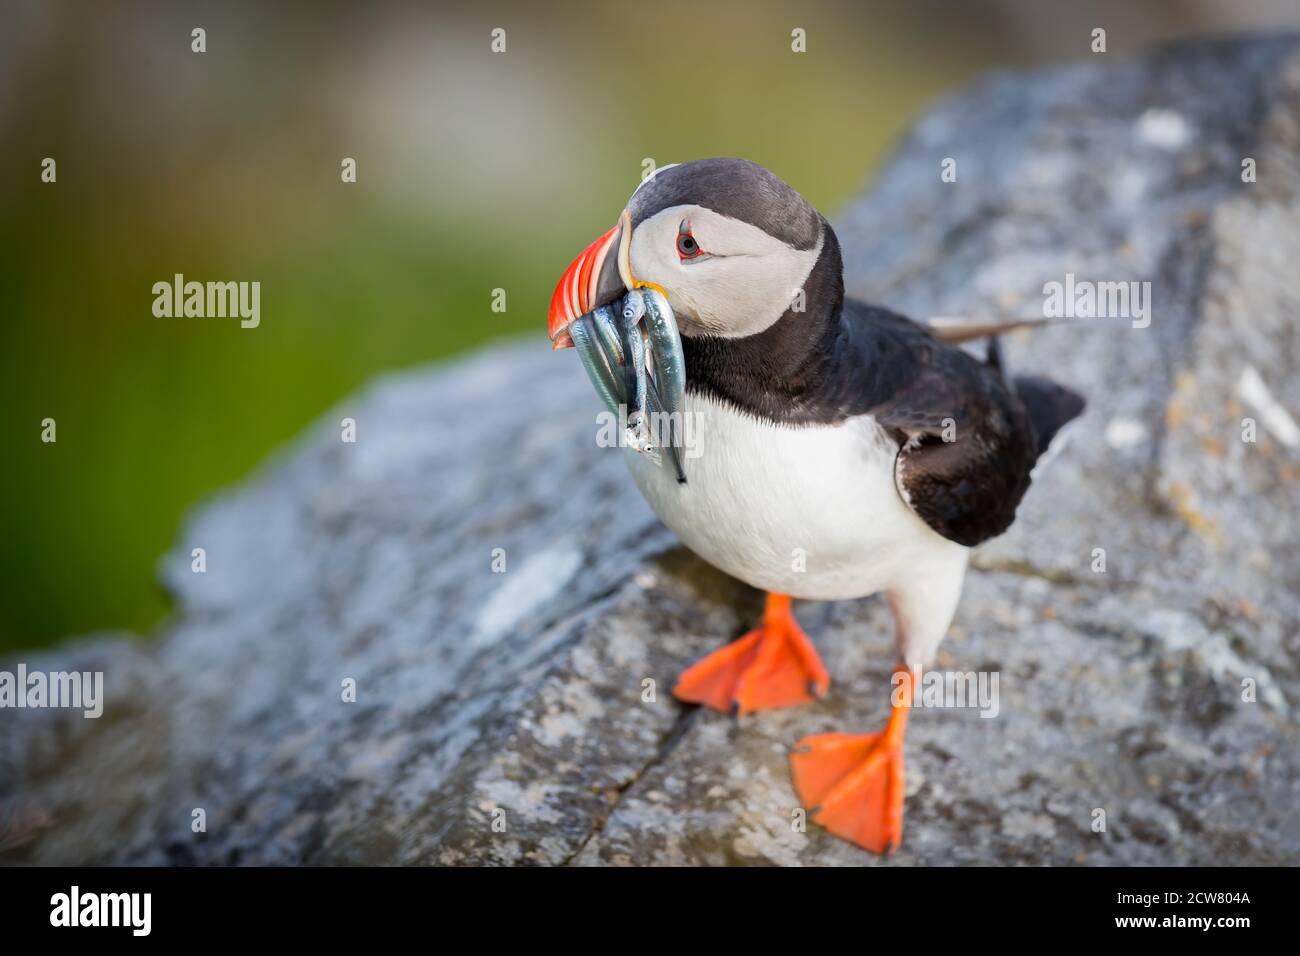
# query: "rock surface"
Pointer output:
{"type": "Point", "coordinates": [522, 697]}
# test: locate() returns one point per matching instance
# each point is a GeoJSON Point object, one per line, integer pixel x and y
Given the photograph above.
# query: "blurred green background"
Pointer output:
{"type": "Point", "coordinates": [476, 171]}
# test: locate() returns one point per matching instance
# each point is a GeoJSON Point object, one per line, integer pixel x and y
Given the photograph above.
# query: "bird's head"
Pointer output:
{"type": "Point", "coordinates": [729, 245]}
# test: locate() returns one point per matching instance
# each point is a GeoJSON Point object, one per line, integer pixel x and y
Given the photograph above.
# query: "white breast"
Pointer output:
{"type": "Point", "coordinates": [810, 511]}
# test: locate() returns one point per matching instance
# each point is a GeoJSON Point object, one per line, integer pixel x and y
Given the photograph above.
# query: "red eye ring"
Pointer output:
{"type": "Point", "coordinates": [687, 247]}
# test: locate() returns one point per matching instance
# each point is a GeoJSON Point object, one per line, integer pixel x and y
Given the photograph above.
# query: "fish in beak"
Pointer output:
{"type": "Point", "coordinates": [628, 342]}
{"type": "Point", "coordinates": [601, 274]}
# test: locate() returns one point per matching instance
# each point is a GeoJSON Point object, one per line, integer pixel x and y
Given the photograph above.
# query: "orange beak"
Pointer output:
{"type": "Point", "coordinates": [597, 277]}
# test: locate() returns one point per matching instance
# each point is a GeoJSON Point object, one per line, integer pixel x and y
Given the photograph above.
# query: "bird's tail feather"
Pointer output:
{"type": "Point", "coordinates": [1050, 406]}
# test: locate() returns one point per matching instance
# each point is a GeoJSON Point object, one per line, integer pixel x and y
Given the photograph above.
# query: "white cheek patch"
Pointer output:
{"type": "Point", "coordinates": [745, 285]}
{"type": "Point", "coordinates": [653, 256]}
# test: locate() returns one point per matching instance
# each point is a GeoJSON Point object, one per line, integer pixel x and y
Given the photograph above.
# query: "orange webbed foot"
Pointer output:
{"type": "Point", "coordinates": [852, 784]}
{"type": "Point", "coordinates": [774, 665]}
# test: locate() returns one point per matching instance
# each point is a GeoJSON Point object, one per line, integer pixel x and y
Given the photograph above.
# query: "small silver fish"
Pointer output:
{"type": "Point", "coordinates": [632, 352]}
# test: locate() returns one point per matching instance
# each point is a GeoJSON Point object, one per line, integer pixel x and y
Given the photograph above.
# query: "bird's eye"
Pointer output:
{"type": "Point", "coordinates": [687, 247]}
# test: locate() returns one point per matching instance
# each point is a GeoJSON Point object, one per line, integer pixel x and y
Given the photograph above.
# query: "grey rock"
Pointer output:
{"type": "Point", "coordinates": [525, 699]}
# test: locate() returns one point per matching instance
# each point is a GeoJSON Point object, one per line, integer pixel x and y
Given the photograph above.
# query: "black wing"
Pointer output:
{"type": "Point", "coordinates": [968, 438]}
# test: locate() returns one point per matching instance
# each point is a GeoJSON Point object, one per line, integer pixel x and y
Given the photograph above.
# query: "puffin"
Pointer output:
{"type": "Point", "coordinates": [841, 450]}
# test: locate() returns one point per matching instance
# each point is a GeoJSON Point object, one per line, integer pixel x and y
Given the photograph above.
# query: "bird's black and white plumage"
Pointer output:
{"type": "Point", "coordinates": [835, 449]}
